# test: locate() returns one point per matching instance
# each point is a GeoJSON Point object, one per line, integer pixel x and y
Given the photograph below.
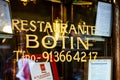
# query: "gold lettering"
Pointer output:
{"type": "Point", "coordinates": [48, 26]}
{"type": "Point", "coordinates": [15, 23]}
{"type": "Point", "coordinates": [63, 28]}
{"type": "Point", "coordinates": [63, 41]}
{"type": "Point", "coordinates": [56, 27]}
{"type": "Point", "coordinates": [87, 29]}
{"type": "Point", "coordinates": [80, 29]}
{"type": "Point", "coordinates": [72, 28]}
{"type": "Point", "coordinates": [85, 44]}
{"type": "Point", "coordinates": [71, 42]}
{"type": "Point", "coordinates": [24, 24]}
{"type": "Point", "coordinates": [41, 23]}
{"type": "Point", "coordinates": [17, 52]}
{"type": "Point", "coordinates": [33, 26]}
{"type": "Point", "coordinates": [49, 44]}
{"type": "Point", "coordinates": [34, 39]}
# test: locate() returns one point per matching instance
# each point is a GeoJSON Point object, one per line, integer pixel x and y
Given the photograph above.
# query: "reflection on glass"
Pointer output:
{"type": "Point", "coordinates": [5, 19]}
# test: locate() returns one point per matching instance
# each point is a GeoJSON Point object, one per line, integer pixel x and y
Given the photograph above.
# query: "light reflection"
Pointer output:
{"type": "Point", "coordinates": [57, 27]}
{"type": "Point", "coordinates": [26, 1]}
{"type": "Point", "coordinates": [7, 29]}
